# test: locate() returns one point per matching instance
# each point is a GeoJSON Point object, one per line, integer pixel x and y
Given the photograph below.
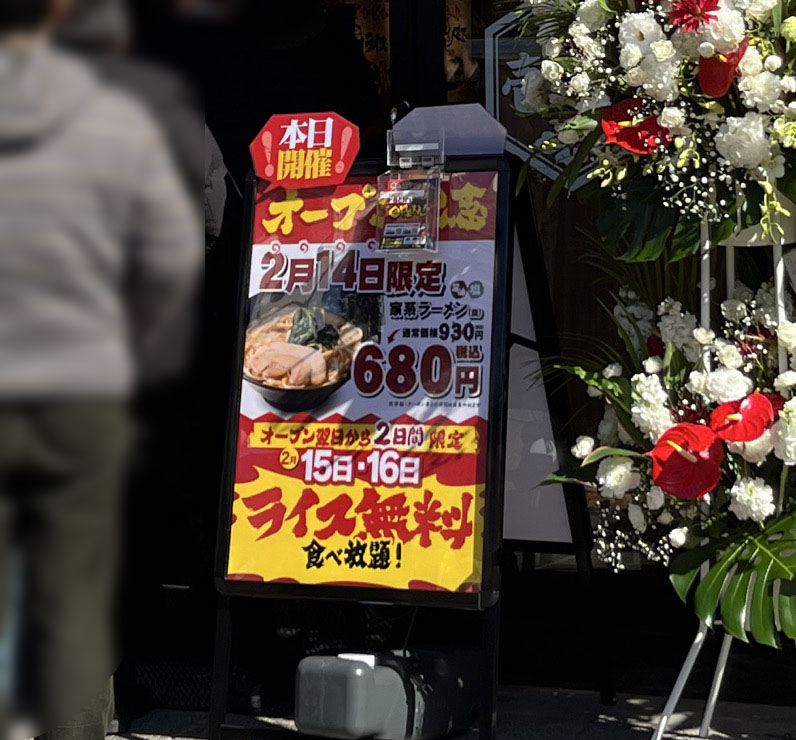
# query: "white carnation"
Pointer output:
{"type": "Point", "coordinates": [756, 451]}
{"type": "Point", "coordinates": [785, 381]}
{"type": "Point", "coordinates": [583, 447]}
{"type": "Point", "coordinates": [568, 136]}
{"type": "Point", "coordinates": [706, 49]}
{"type": "Point", "coordinates": [697, 382]}
{"type": "Point", "coordinates": [724, 385]}
{"type": "Point", "coordinates": [678, 537]}
{"type": "Point", "coordinates": [579, 84]}
{"type": "Point", "coordinates": [614, 370]}
{"type": "Point", "coordinates": [704, 336]}
{"type": "Point", "coordinates": [758, 10]}
{"type": "Point", "coordinates": [729, 355]}
{"type": "Point", "coordinates": [784, 433]}
{"type": "Point", "coordinates": [663, 50]}
{"type": "Point", "coordinates": [637, 519]}
{"type": "Point", "coordinates": [672, 118]}
{"type": "Point", "coordinates": [677, 326]}
{"type": "Point", "coordinates": [655, 498]}
{"type": "Point", "coordinates": [733, 309]}
{"type": "Point", "coordinates": [649, 411]}
{"type": "Point", "coordinates": [786, 335]}
{"type": "Point", "coordinates": [743, 141]}
{"type": "Point", "coordinates": [752, 62]}
{"type": "Point", "coordinates": [773, 62]}
{"type": "Point", "coordinates": [641, 29]}
{"type": "Point", "coordinates": [687, 44]}
{"type": "Point", "coordinates": [726, 31]}
{"type": "Point", "coordinates": [533, 91]}
{"type": "Point", "coordinates": [661, 79]}
{"type": "Point", "coordinates": [635, 77]}
{"type": "Point", "coordinates": [552, 71]}
{"type": "Point", "coordinates": [760, 91]}
{"type": "Point", "coordinates": [653, 365]}
{"type": "Point", "coordinates": [752, 498]}
{"type": "Point", "coordinates": [552, 48]}
{"type": "Point", "coordinates": [589, 46]}
{"type": "Point", "coordinates": [630, 56]}
{"type": "Point", "coordinates": [591, 14]}
{"type": "Point", "coordinates": [742, 292]}
{"type": "Point", "coordinates": [608, 429]}
{"type": "Point", "coordinates": [616, 476]}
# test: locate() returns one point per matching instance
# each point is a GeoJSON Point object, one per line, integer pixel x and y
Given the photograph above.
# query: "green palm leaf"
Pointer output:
{"type": "Point", "coordinates": [749, 582]}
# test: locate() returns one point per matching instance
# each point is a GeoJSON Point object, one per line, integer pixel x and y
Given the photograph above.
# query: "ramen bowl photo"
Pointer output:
{"type": "Point", "coordinates": [297, 359]}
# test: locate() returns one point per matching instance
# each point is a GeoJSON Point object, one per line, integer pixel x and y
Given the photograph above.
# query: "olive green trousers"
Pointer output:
{"type": "Point", "coordinates": [62, 473]}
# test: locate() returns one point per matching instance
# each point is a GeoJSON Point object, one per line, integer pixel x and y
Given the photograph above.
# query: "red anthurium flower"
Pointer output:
{"type": "Point", "coordinates": [689, 15]}
{"type": "Point", "coordinates": [742, 421]}
{"type": "Point", "coordinates": [686, 462]}
{"type": "Point", "coordinates": [623, 126]}
{"type": "Point", "coordinates": [777, 402]}
{"type": "Point", "coordinates": [716, 73]}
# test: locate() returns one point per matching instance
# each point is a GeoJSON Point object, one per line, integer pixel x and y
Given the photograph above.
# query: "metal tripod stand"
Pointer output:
{"type": "Point", "coordinates": [682, 679]}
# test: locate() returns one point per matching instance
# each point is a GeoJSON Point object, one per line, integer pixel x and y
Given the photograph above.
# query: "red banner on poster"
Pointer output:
{"type": "Point", "coordinates": [305, 150]}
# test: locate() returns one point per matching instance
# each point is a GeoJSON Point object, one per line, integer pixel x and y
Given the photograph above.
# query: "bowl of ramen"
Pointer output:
{"type": "Point", "coordinates": [297, 359]}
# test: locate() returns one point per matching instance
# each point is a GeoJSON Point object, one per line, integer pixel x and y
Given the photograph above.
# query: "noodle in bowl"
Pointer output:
{"type": "Point", "coordinates": [300, 357]}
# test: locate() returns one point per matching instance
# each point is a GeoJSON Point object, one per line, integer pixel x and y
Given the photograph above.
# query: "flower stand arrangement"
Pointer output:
{"type": "Point", "coordinates": [685, 111]}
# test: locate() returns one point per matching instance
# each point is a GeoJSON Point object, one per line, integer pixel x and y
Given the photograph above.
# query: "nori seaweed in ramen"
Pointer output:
{"type": "Point", "coordinates": [306, 348]}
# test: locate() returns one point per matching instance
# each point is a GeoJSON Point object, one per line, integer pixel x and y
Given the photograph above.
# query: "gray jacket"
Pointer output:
{"type": "Point", "coordinates": [99, 244]}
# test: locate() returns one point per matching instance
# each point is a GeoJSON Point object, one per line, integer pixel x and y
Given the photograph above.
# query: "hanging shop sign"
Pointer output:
{"type": "Point", "coordinates": [367, 382]}
{"type": "Point", "coordinates": [305, 150]}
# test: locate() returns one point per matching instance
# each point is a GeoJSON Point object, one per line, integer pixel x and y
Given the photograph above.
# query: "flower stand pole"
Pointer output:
{"type": "Point", "coordinates": [699, 639]}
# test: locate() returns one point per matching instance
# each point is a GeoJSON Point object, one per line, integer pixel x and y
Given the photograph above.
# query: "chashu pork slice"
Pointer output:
{"type": "Point", "coordinates": [305, 365]}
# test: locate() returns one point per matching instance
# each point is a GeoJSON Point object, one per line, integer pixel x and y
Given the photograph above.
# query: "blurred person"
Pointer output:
{"type": "Point", "coordinates": [98, 257]}
{"type": "Point", "coordinates": [102, 32]}
{"type": "Point", "coordinates": [164, 472]}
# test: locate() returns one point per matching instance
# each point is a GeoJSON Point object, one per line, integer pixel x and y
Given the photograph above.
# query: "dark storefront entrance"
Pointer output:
{"type": "Point", "coordinates": [362, 59]}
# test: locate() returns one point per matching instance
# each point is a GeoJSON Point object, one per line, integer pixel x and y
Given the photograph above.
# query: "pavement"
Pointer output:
{"type": "Point", "coordinates": [528, 713]}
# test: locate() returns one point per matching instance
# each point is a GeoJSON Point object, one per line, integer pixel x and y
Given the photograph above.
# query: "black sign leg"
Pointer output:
{"type": "Point", "coordinates": [490, 650]}
{"type": "Point", "coordinates": [222, 658]}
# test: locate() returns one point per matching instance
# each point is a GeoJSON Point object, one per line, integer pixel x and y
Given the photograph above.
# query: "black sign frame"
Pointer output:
{"type": "Point", "coordinates": [498, 390]}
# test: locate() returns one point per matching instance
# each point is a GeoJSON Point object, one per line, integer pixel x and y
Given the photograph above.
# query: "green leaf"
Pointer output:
{"type": "Point", "coordinates": [580, 157]}
{"type": "Point", "coordinates": [522, 177]}
{"type": "Point", "coordinates": [581, 123]}
{"type": "Point", "coordinates": [706, 598]}
{"type": "Point", "coordinates": [602, 452]}
{"type": "Point", "coordinates": [761, 607]}
{"type": "Point", "coordinates": [753, 205]}
{"type": "Point", "coordinates": [629, 346]}
{"type": "Point", "coordinates": [787, 608]}
{"type": "Point", "coordinates": [571, 171]}
{"type": "Point", "coordinates": [776, 18]}
{"type": "Point", "coordinates": [685, 239]}
{"type": "Point", "coordinates": [617, 391]}
{"type": "Point", "coordinates": [612, 225]}
{"type": "Point", "coordinates": [768, 555]}
{"type": "Point", "coordinates": [724, 230]}
{"type": "Point", "coordinates": [554, 478]}
{"type": "Point", "coordinates": [651, 235]}
{"type": "Point", "coordinates": [684, 568]}
{"type": "Point", "coordinates": [614, 7]}
{"type": "Point", "coordinates": [675, 367]}
{"type": "Point", "coordinates": [787, 184]}
{"type": "Point", "coordinates": [733, 604]}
